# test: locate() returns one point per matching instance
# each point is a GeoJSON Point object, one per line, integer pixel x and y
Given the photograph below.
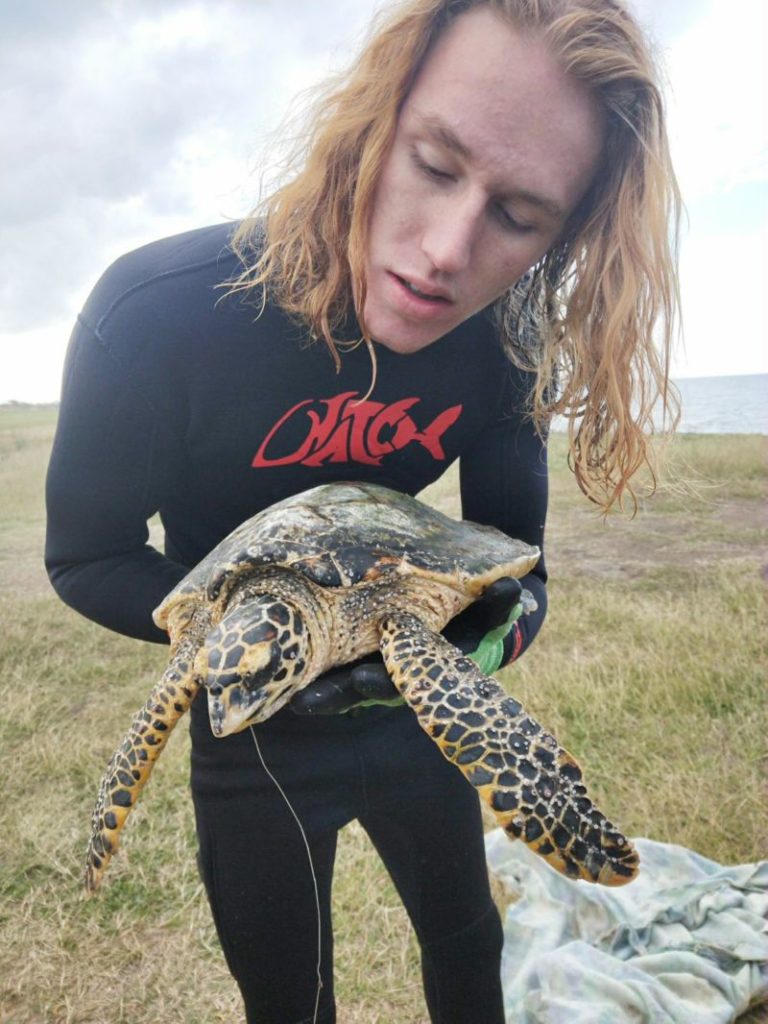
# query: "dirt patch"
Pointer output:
{"type": "Point", "coordinates": [622, 548]}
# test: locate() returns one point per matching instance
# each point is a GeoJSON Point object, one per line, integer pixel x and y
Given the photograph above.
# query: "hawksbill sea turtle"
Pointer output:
{"type": "Point", "coordinates": [321, 579]}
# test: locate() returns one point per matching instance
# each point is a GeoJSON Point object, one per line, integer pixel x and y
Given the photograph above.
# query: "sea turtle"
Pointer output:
{"type": "Point", "coordinates": [321, 579]}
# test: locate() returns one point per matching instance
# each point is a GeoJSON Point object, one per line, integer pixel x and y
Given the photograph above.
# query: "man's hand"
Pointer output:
{"type": "Point", "coordinates": [491, 610]}
{"type": "Point", "coordinates": [357, 685]}
{"type": "Point", "coordinates": [478, 631]}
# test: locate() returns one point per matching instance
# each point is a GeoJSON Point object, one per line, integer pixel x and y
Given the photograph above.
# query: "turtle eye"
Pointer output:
{"type": "Point", "coordinates": [259, 664]}
{"type": "Point", "coordinates": [246, 667]}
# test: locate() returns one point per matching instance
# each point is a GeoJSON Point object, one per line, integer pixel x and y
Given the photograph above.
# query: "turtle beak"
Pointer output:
{"type": "Point", "coordinates": [229, 714]}
{"type": "Point", "coordinates": [237, 695]}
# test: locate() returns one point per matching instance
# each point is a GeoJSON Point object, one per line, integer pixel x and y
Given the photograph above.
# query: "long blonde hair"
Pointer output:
{"type": "Point", "coordinates": [600, 307]}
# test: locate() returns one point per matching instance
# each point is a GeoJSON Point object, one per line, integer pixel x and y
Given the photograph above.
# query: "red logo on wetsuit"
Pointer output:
{"type": "Point", "coordinates": [342, 429]}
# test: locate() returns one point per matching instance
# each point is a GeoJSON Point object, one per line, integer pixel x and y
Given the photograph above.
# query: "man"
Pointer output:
{"type": "Point", "coordinates": [473, 142]}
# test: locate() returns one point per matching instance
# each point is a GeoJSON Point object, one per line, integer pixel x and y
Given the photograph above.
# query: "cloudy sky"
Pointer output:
{"type": "Point", "coordinates": [126, 120]}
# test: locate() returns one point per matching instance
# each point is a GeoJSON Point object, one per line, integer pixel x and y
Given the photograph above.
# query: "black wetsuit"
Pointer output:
{"type": "Point", "coordinates": [183, 400]}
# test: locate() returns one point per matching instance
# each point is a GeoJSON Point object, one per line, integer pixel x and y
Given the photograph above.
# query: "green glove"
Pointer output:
{"type": "Point", "coordinates": [489, 653]}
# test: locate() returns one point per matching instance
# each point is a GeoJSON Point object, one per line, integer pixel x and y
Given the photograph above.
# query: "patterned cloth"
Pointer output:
{"type": "Point", "coordinates": [686, 942]}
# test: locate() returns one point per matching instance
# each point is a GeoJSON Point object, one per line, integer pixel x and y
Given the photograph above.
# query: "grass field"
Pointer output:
{"type": "Point", "coordinates": [650, 668]}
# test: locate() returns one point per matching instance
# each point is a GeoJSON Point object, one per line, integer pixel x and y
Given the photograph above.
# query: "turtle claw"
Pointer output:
{"type": "Point", "coordinates": [530, 782]}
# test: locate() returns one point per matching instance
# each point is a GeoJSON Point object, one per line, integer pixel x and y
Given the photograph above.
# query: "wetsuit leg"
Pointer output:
{"type": "Point", "coordinates": [254, 861]}
{"type": "Point", "coordinates": [425, 822]}
{"type": "Point", "coordinates": [259, 885]}
{"type": "Point", "coordinates": [421, 815]}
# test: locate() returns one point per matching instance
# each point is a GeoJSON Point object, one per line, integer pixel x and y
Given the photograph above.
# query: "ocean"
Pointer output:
{"type": "Point", "coordinates": [718, 405]}
{"type": "Point", "coordinates": [724, 405]}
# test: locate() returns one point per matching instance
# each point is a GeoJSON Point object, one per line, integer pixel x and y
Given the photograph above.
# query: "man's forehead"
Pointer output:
{"type": "Point", "coordinates": [498, 97]}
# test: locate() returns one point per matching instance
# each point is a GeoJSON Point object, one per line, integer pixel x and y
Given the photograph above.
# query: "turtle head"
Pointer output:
{"type": "Point", "coordinates": [253, 662]}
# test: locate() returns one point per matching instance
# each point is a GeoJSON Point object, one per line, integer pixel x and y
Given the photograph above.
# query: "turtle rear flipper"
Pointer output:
{"type": "Point", "coordinates": [132, 763]}
{"type": "Point", "coordinates": [530, 782]}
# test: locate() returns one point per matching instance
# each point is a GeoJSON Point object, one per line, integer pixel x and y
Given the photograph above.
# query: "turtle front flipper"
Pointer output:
{"type": "Point", "coordinates": [132, 762]}
{"type": "Point", "coordinates": [530, 782]}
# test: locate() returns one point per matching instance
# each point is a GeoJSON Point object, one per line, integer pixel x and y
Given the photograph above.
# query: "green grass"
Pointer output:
{"type": "Point", "coordinates": [650, 668]}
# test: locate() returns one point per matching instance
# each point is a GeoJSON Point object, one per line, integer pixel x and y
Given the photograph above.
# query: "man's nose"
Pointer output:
{"type": "Point", "coordinates": [450, 236]}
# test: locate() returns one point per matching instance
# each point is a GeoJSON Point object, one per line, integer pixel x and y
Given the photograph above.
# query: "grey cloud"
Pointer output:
{"type": "Point", "coordinates": [664, 19]}
{"type": "Point", "coordinates": [98, 119]}
{"type": "Point", "coordinates": [36, 20]}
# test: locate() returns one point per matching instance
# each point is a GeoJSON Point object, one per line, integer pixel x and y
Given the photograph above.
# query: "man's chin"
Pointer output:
{"type": "Point", "coordinates": [406, 340]}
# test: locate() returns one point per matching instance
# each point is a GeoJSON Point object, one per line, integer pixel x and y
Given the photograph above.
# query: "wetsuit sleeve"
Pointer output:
{"type": "Point", "coordinates": [105, 479]}
{"type": "Point", "coordinates": [504, 484]}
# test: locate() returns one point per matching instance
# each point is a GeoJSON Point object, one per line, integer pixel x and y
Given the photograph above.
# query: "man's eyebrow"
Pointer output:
{"type": "Point", "coordinates": [446, 137]}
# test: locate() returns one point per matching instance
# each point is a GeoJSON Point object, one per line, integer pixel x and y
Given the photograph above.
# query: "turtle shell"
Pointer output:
{"type": "Point", "coordinates": [340, 535]}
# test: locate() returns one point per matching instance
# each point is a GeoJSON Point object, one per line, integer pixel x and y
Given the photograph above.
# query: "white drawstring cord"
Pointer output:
{"type": "Point", "coordinates": [311, 868]}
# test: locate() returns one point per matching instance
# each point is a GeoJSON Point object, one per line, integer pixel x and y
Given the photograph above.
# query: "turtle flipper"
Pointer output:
{"type": "Point", "coordinates": [132, 762]}
{"type": "Point", "coordinates": [530, 782]}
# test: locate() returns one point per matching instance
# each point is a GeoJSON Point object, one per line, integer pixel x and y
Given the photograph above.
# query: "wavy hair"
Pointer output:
{"type": "Point", "coordinates": [597, 315]}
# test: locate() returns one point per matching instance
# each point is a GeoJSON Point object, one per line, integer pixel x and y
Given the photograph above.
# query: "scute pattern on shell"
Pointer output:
{"type": "Point", "coordinates": [338, 535]}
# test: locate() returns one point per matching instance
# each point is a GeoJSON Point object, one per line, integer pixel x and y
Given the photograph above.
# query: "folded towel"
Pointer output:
{"type": "Point", "coordinates": [687, 941]}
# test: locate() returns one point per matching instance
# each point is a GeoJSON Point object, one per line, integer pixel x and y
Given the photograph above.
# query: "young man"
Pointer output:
{"type": "Point", "coordinates": [473, 142]}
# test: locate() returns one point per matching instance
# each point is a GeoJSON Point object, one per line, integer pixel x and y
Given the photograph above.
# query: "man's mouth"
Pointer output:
{"type": "Point", "coordinates": [422, 293]}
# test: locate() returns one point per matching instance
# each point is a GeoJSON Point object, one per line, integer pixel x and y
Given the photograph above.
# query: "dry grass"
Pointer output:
{"type": "Point", "coordinates": [651, 668]}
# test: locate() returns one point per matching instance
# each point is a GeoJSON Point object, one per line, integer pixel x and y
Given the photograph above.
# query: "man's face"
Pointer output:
{"type": "Point", "coordinates": [494, 147]}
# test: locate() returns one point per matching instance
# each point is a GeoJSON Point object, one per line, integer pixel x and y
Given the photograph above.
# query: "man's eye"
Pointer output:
{"type": "Point", "coordinates": [510, 222]}
{"type": "Point", "coordinates": [429, 169]}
